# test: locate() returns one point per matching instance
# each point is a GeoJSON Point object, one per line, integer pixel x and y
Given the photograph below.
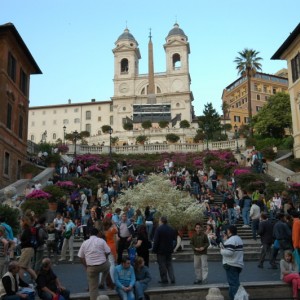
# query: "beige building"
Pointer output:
{"type": "Point", "coordinates": [290, 51]}
{"type": "Point", "coordinates": [262, 87]}
{"type": "Point", "coordinates": [137, 97]}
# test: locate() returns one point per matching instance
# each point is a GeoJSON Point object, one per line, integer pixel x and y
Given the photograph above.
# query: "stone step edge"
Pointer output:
{"type": "Point", "coordinates": [179, 288]}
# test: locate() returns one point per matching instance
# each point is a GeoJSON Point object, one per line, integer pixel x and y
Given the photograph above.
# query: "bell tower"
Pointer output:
{"type": "Point", "coordinates": [177, 51]}
{"type": "Point", "coordinates": [126, 63]}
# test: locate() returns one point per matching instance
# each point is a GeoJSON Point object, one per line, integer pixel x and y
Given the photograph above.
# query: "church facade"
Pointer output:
{"type": "Point", "coordinates": [164, 96]}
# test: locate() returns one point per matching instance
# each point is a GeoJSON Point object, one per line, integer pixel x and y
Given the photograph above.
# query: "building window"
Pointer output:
{"type": "Point", "coordinates": [257, 97]}
{"type": "Point", "coordinates": [66, 110]}
{"type": "Point", "coordinates": [20, 127]}
{"type": "Point", "coordinates": [88, 127]}
{"type": "Point", "coordinates": [88, 115]}
{"type": "Point", "coordinates": [265, 88]}
{"type": "Point", "coordinates": [274, 91]}
{"type": "Point", "coordinates": [177, 104]}
{"type": "Point", "coordinates": [19, 169]}
{"type": "Point", "coordinates": [54, 122]}
{"type": "Point", "coordinates": [176, 61]}
{"type": "Point", "coordinates": [295, 65]}
{"type": "Point", "coordinates": [11, 67]}
{"type": "Point", "coordinates": [54, 136]}
{"type": "Point", "coordinates": [124, 66]}
{"type": "Point", "coordinates": [246, 120]}
{"type": "Point", "coordinates": [54, 112]}
{"type": "Point", "coordinates": [255, 87]}
{"type": "Point", "coordinates": [237, 119]}
{"type": "Point", "coordinates": [99, 107]}
{"type": "Point", "coordinates": [66, 121]}
{"type": "Point", "coordinates": [32, 113]}
{"type": "Point", "coordinates": [266, 97]}
{"type": "Point", "coordinates": [258, 108]}
{"type": "Point", "coordinates": [99, 119]}
{"type": "Point", "coordinates": [76, 120]}
{"type": "Point", "coordinates": [32, 137]}
{"type": "Point", "coordinates": [32, 123]}
{"type": "Point", "coordinates": [23, 82]}
{"type": "Point", "coordinates": [6, 163]}
{"type": "Point", "coordinates": [111, 108]}
{"type": "Point", "coordinates": [75, 109]}
{"type": "Point", "coordinates": [111, 120]}
{"type": "Point", "coordinates": [44, 112]}
{"type": "Point", "coordinates": [124, 108]}
{"type": "Point", "coordinates": [9, 116]}
{"type": "Point", "coordinates": [44, 123]}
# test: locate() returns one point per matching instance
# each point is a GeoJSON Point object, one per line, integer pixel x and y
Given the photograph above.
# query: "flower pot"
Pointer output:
{"type": "Point", "coordinates": [28, 176]}
{"type": "Point", "coordinates": [52, 206]}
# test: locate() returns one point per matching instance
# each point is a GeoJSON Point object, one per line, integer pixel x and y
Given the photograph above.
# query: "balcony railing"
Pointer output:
{"type": "Point", "coordinates": [159, 147]}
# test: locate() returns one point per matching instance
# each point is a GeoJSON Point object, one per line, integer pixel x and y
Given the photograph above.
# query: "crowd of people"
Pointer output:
{"type": "Point", "coordinates": [117, 243]}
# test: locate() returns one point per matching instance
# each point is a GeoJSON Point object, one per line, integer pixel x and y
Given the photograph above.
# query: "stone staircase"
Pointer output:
{"type": "Point", "coordinates": [251, 247]}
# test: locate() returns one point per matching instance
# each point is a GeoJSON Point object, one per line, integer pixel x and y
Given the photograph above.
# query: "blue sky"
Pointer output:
{"type": "Point", "coordinates": [72, 41]}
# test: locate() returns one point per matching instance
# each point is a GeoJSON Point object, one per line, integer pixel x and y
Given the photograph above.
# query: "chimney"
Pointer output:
{"type": "Point", "coordinates": [69, 101]}
{"type": "Point", "coordinates": [93, 100]}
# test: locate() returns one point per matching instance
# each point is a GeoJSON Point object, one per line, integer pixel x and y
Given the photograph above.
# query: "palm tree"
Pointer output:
{"type": "Point", "coordinates": [247, 64]}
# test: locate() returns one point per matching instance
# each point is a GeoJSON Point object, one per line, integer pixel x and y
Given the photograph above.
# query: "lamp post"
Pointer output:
{"type": "Point", "coordinates": [236, 138]}
{"type": "Point", "coordinates": [76, 135]}
{"type": "Point", "coordinates": [206, 128]}
{"type": "Point", "coordinates": [110, 132]}
{"type": "Point", "coordinates": [64, 128]}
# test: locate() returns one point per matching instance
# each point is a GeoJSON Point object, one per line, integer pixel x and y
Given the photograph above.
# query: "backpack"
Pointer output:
{"type": "Point", "coordinates": [35, 240]}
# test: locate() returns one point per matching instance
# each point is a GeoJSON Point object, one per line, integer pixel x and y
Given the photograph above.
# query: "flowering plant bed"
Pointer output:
{"type": "Point", "coordinates": [38, 194]}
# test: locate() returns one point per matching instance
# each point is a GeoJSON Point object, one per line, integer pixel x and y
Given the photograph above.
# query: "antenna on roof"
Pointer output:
{"type": "Point", "coordinates": [150, 36]}
{"type": "Point", "coordinates": [126, 24]}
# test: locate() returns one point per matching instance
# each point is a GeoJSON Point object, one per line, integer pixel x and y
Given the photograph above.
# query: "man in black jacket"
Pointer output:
{"type": "Point", "coordinates": [164, 241]}
{"type": "Point", "coordinates": [265, 231]}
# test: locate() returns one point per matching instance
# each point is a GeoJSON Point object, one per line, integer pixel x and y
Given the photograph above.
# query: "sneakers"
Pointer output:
{"type": "Point", "coordinates": [70, 260]}
{"type": "Point", "coordinates": [61, 259]}
{"type": "Point", "coordinates": [197, 281]}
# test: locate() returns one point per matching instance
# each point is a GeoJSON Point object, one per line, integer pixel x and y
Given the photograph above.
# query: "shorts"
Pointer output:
{"type": "Point", "coordinates": [27, 255]}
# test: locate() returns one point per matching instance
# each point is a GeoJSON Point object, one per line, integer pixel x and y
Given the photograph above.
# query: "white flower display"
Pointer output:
{"type": "Point", "coordinates": [157, 192]}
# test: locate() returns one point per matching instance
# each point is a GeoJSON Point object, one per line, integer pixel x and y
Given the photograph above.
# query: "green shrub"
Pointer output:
{"type": "Point", "coordinates": [287, 143]}
{"type": "Point", "coordinates": [184, 124]}
{"type": "Point", "coordinates": [274, 187]}
{"type": "Point", "coordinates": [11, 217]}
{"type": "Point", "coordinates": [172, 137]}
{"type": "Point", "coordinates": [38, 206]}
{"type": "Point", "coordinates": [147, 124]}
{"type": "Point", "coordinates": [55, 191]}
{"type": "Point", "coordinates": [105, 128]}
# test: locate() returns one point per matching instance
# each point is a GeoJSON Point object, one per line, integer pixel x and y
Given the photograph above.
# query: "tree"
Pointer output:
{"type": "Point", "coordinates": [114, 140]}
{"type": "Point", "coordinates": [163, 124]}
{"type": "Point", "coordinates": [79, 136]}
{"type": "Point", "coordinates": [147, 124]}
{"type": "Point", "coordinates": [274, 116]}
{"type": "Point", "coordinates": [184, 124]}
{"type": "Point", "coordinates": [247, 64]}
{"type": "Point", "coordinates": [210, 121]}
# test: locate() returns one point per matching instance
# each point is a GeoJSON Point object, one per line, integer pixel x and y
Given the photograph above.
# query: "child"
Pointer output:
{"type": "Point", "coordinates": [289, 272]}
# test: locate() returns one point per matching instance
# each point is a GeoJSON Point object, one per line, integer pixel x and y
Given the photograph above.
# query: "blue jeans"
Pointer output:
{"type": "Point", "coordinates": [246, 215]}
{"type": "Point", "coordinates": [149, 226]}
{"type": "Point", "coordinates": [140, 288]}
{"type": "Point", "coordinates": [233, 279]}
{"type": "Point", "coordinates": [125, 295]}
{"type": "Point", "coordinates": [231, 216]}
{"type": "Point", "coordinates": [255, 225]}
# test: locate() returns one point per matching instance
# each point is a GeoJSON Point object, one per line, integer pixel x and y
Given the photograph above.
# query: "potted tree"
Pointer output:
{"type": "Point", "coordinates": [53, 160]}
{"type": "Point", "coordinates": [29, 170]}
{"type": "Point", "coordinates": [172, 138]}
{"type": "Point", "coordinates": [141, 139]}
{"type": "Point", "coordinates": [36, 201]}
{"type": "Point", "coordinates": [56, 192]}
